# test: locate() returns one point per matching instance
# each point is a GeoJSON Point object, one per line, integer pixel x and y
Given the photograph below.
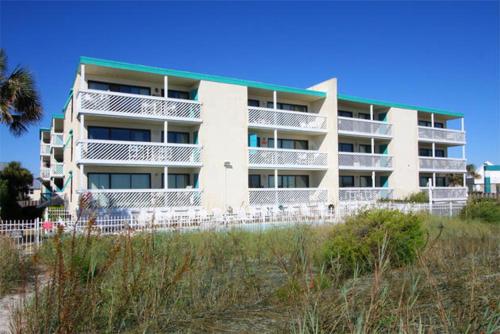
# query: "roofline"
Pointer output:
{"type": "Point", "coordinates": [397, 105]}
{"type": "Point", "coordinates": [492, 167]}
{"type": "Point", "coordinates": [198, 76]}
{"type": "Point", "coordinates": [58, 116]}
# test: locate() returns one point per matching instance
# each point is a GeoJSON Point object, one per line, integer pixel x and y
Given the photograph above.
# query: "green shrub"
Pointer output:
{"type": "Point", "coordinates": [15, 268]}
{"type": "Point", "coordinates": [417, 197]}
{"type": "Point", "coordinates": [485, 209]}
{"type": "Point", "coordinates": [355, 245]}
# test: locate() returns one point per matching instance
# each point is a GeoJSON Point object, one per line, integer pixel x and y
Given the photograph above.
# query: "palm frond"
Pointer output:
{"type": "Point", "coordinates": [3, 64]}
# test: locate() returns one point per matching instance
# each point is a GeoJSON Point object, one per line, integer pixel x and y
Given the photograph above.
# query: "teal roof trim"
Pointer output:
{"type": "Point", "coordinates": [43, 130]}
{"type": "Point", "coordinates": [198, 76]}
{"type": "Point", "coordinates": [492, 167]}
{"type": "Point", "coordinates": [58, 116]}
{"type": "Point", "coordinates": [397, 105]}
{"type": "Point", "coordinates": [68, 100]}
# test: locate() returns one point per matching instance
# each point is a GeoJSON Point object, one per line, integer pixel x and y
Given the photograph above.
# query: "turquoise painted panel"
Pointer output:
{"type": "Point", "coordinates": [252, 140]}
{"type": "Point", "coordinates": [194, 94]}
{"type": "Point", "coordinates": [384, 181]}
{"type": "Point", "coordinates": [382, 117]}
{"type": "Point", "coordinates": [383, 148]}
{"type": "Point", "coordinates": [487, 184]}
{"type": "Point", "coordinates": [195, 137]}
{"type": "Point", "coordinates": [492, 167]}
{"type": "Point", "coordinates": [196, 180]}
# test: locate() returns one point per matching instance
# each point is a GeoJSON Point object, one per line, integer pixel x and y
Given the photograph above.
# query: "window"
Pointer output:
{"type": "Point", "coordinates": [440, 153]}
{"type": "Point", "coordinates": [423, 181]}
{"type": "Point", "coordinates": [424, 123]}
{"type": "Point", "coordinates": [345, 147]}
{"type": "Point", "coordinates": [119, 181]}
{"type": "Point", "coordinates": [177, 181]}
{"type": "Point", "coordinates": [253, 103]}
{"type": "Point", "coordinates": [425, 152]}
{"type": "Point", "coordinates": [364, 148]}
{"type": "Point", "coordinates": [439, 125]}
{"type": "Point", "coordinates": [346, 181]}
{"type": "Point", "coordinates": [176, 94]}
{"type": "Point", "coordinates": [97, 132]}
{"type": "Point", "coordinates": [363, 115]}
{"type": "Point", "coordinates": [176, 137]}
{"type": "Point", "coordinates": [254, 181]}
{"type": "Point", "coordinates": [291, 144]}
{"type": "Point", "coordinates": [288, 106]}
{"type": "Point", "coordinates": [119, 88]}
{"type": "Point", "coordinates": [290, 181]}
{"type": "Point", "coordinates": [441, 181]}
{"type": "Point", "coordinates": [365, 181]}
{"type": "Point", "coordinates": [344, 113]}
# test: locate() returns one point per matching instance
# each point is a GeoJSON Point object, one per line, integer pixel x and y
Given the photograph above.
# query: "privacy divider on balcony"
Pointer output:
{"type": "Point", "coordinates": [143, 198]}
{"type": "Point", "coordinates": [261, 157]}
{"type": "Point", "coordinates": [57, 169]}
{"type": "Point", "coordinates": [45, 173]}
{"type": "Point", "coordinates": [444, 135]}
{"type": "Point", "coordinates": [44, 149]}
{"type": "Point", "coordinates": [354, 160]}
{"type": "Point", "coordinates": [274, 118]}
{"type": "Point", "coordinates": [447, 193]}
{"type": "Point", "coordinates": [141, 153]}
{"type": "Point", "coordinates": [100, 102]}
{"type": "Point", "coordinates": [364, 127]}
{"type": "Point", "coordinates": [442, 164]}
{"type": "Point", "coordinates": [287, 196]}
{"type": "Point", "coordinates": [57, 140]}
{"type": "Point", "coordinates": [364, 194]}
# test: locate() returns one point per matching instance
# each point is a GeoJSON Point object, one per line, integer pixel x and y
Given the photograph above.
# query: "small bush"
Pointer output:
{"type": "Point", "coordinates": [485, 209]}
{"type": "Point", "coordinates": [418, 197]}
{"type": "Point", "coordinates": [355, 245]}
{"type": "Point", "coordinates": [14, 268]}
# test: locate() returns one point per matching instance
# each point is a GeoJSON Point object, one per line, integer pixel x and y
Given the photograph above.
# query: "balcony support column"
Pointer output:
{"type": "Point", "coordinates": [165, 132]}
{"type": "Point", "coordinates": [462, 124]}
{"type": "Point", "coordinates": [433, 150]}
{"type": "Point", "coordinates": [165, 177]}
{"type": "Point", "coordinates": [464, 179]}
{"type": "Point", "coordinates": [373, 179]}
{"type": "Point", "coordinates": [432, 120]}
{"type": "Point", "coordinates": [165, 86]}
{"type": "Point", "coordinates": [82, 126]}
{"type": "Point", "coordinates": [433, 179]}
{"type": "Point", "coordinates": [373, 145]}
{"type": "Point", "coordinates": [275, 100]}
{"type": "Point", "coordinates": [276, 187]}
{"type": "Point", "coordinates": [82, 76]}
{"type": "Point", "coordinates": [371, 112]}
{"type": "Point", "coordinates": [275, 139]}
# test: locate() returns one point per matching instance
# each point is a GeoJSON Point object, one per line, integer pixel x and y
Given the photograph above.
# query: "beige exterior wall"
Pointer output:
{"type": "Point", "coordinates": [223, 135]}
{"type": "Point", "coordinates": [404, 149]}
{"type": "Point", "coordinates": [328, 108]}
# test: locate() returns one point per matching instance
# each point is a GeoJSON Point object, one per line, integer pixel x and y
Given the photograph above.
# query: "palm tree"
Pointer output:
{"type": "Point", "coordinates": [471, 171]}
{"type": "Point", "coordinates": [19, 101]}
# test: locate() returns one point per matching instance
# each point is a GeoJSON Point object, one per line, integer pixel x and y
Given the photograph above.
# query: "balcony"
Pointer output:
{"type": "Point", "coordinates": [447, 193]}
{"type": "Point", "coordinates": [45, 173]}
{"type": "Point", "coordinates": [144, 198]}
{"type": "Point", "coordinates": [44, 149]}
{"type": "Point", "coordinates": [364, 194]}
{"type": "Point", "coordinates": [364, 128]}
{"type": "Point", "coordinates": [137, 153]}
{"type": "Point", "coordinates": [138, 106]}
{"type": "Point", "coordinates": [267, 118]}
{"type": "Point", "coordinates": [261, 157]}
{"type": "Point", "coordinates": [57, 169]}
{"type": "Point", "coordinates": [56, 140]}
{"type": "Point", "coordinates": [287, 196]}
{"type": "Point", "coordinates": [429, 164]}
{"type": "Point", "coordinates": [364, 161]}
{"type": "Point", "coordinates": [450, 136]}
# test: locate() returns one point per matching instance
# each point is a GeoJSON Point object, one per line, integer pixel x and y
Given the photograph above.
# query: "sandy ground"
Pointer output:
{"type": "Point", "coordinates": [7, 305]}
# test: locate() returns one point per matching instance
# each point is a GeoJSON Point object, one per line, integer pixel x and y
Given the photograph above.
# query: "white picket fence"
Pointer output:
{"type": "Point", "coordinates": [29, 234]}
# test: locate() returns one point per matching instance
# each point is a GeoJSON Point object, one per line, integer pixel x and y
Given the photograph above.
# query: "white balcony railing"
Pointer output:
{"type": "Point", "coordinates": [287, 196]}
{"type": "Point", "coordinates": [364, 194]}
{"type": "Point", "coordinates": [57, 169]}
{"type": "Point", "coordinates": [447, 193]}
{"type": "Point", "coordinates": [143, 198]}
{"type": "Point", "coordinates": [45, 173]}
{"type": "Point", "coordinates": [138, 153]}
{"type": "Point", "coordinates": [364, 161]}
{"type": "Point", "coordinates": [442, 164]}
{"type": "Point", "coordinates": [138, 106]}
{"type": "Point", "coordinates": [44, 149]}
{"type": "Point", "coordinates": [441, 135]}
{"type": "Point", "coordinates": [261, 157]}
{"type": "Point", "coordinates": [283, 119]}
{"type": "Point", "coordinates": [56, 140]}
{"type": "Point", "coordinates": [363, 127]}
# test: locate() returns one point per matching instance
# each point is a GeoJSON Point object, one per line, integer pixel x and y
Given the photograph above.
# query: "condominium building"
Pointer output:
{"type": "Point", "coordinates": [134, 137]}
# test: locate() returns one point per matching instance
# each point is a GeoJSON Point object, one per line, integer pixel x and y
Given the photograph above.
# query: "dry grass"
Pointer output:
{"type": "Point", "coordinates": [272, 281]}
